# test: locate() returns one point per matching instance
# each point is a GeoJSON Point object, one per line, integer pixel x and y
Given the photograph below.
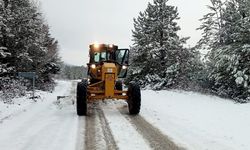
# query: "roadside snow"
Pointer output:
{"type": "Point", "coordinates": [198, 122]}
{"type": "Point", "coordinates": [194, 121]}
{"type": "Point", "coordinates": [21, 104]}
{"type": "Point", "coordinates": [41, 125]}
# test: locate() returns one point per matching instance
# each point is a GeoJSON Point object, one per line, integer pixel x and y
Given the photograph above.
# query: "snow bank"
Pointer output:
{"type": "Point", "coordinates": [21, 104]}
{"type": "Point", "coordinates": [198, 121]}
{"type": "Point", "coordinates": [40, 125]}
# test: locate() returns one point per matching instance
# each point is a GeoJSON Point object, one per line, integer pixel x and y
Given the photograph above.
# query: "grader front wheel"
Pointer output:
{"type": "Point", "coordinates": [81, 98]}
{"type": "Point", "coordinates": [134, 99]}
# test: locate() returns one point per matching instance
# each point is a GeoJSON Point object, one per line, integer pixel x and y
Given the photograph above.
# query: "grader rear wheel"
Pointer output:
{"type": "Point", "coordinates": [81, 98]}
{"type": "Point", "coordinates": [134, 99]}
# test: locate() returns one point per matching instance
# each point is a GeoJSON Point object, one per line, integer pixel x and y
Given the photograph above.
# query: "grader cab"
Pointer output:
{"type": "Point", "coordinates": [107, 64]}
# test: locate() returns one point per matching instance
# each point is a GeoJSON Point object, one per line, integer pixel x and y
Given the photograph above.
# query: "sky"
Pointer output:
{"type": "Point", "coordinates": [78, 23]}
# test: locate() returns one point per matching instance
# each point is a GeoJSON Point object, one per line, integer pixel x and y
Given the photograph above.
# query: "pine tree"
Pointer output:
{"type": "Point", "coordinates": [5, 54]}
{"type": "Point", "coordinates": [25, 43]}
{"type": "Point", "coordinates": [228, 59]}
{"type": "Point", "coordinates": [73, 72]}
{"type": "Point", "coordinates": [158, 57]}
{"type": "Point", "coordinates": [46, 60]}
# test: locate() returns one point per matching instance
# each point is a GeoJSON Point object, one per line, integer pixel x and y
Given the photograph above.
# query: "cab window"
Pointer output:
{"type": "Point", "coordinates": [102, 56]}
{"type": "Point", "coordinates": [122, 56]}
{"type": "Point", "coordinates": [97, 57]}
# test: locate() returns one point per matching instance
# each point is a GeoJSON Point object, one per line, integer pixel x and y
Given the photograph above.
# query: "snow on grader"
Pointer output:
{"type": "Point", "coordinates": [106, 65]}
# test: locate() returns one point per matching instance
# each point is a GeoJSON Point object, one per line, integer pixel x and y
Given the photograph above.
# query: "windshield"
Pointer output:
{"type": "Point", "coordinates": [120, 56]}
{"type": "Point", "coordinates": [102, 56]}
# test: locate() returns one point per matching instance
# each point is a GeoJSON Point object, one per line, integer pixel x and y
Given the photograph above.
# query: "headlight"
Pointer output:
{"type": "Point", "coordinates": [124, 67]}
{"type": "Point", "coordinates": [110, 45]}
{"type": "Point", "coordinates": [96, 45]}
{"type": "Point", "coordinates": [93, 66]}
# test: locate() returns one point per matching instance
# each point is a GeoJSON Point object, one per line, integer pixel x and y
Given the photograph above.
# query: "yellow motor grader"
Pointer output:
{"type": "Point", "coordinates": [106, 65]}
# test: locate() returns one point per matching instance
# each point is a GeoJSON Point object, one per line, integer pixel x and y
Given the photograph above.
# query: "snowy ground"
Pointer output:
{"type": "Point", "coordinates": [197, 121]}
{"type": "Point", "coordinates": [41, 125]}
{"type": "Point", "coordinates": [190, 120]}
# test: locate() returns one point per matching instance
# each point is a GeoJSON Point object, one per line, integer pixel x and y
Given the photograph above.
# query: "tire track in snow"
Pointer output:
{"type": "Point", "coordinates": [4, 118]}
{"type": "Point", "coordinates": [80, 134]}
{"type": "Point", "coordinates": [108, 137]}
{"type": "Point", "coordinates": [11, 115]}
{"type": "Point", "coordinates": [97, 130]}
{"type": "Point", "coordinates": [123, 131]}
{"type": "Point", "coordinates": [155, 138]}
{"type": "Point", "coordinates": [90, 130]}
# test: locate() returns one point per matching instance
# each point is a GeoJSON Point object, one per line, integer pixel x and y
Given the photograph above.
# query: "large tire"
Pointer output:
{"type": "Point", "coordinates": [134, 98]}
{"type": "Point", "coordinates": [81, 98]}
{"type": "Point", "coordinates": [118, 85]}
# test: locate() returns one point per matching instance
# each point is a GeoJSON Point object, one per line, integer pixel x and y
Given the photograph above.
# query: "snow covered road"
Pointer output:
{"type": "Point", "coordinates": [52, 125]}
{"type": "Point", "coordinates": [168, 120]}
{"type": "Point", "coordinates": [111, 126]}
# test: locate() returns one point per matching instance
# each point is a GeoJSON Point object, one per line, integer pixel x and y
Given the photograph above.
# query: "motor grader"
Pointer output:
{"type": "Point", "coordinates": [107, 64]}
